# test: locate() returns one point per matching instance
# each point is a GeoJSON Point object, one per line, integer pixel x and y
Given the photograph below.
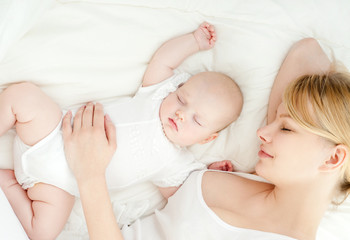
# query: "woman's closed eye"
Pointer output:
{"type": "Point", "coordinates": [286, 129]}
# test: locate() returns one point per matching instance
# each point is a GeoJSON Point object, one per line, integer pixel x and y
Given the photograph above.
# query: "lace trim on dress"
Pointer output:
{"type": "Point", "coordinates": [171, 86]}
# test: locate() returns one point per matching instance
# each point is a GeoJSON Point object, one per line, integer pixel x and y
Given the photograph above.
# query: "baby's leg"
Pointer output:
{"type": "Point", "coordinates": [51, 207]}
{"type": "Point", "coordinates": [43, 209]}
{"type": "Point", "coordinates": [33, 113]}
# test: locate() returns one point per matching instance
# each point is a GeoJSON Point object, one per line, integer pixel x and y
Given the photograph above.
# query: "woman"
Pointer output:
{"type": "Point", "coordinates": [304, 155]}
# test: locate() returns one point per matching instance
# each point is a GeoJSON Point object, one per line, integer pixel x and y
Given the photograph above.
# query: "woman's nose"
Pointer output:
{"type": "Point", "coordinates": [180, 115]}
{"type": "Point", "coordinates": [263, 134]}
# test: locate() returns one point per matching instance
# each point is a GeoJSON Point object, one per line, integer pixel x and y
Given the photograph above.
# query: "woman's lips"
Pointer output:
{"type": "Point", "coordinates": [173, 124]}
{"type": "Point", "coordinates": [263, 154]}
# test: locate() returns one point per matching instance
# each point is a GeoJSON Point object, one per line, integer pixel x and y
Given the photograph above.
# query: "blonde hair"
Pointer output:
{"type": "Point", "coordinates": [328, 96]}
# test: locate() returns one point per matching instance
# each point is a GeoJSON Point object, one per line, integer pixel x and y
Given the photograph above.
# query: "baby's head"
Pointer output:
{"type": "Point", "coordinates": [200, 108]}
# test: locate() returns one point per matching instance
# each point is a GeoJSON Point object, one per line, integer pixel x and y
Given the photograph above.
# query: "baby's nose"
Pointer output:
{"type": "Point", "coordinates": [180, 115]}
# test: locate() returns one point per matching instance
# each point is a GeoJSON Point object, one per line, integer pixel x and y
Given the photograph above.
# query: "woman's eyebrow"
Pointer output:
{"type": "Point", "coordinates": [284, 115]}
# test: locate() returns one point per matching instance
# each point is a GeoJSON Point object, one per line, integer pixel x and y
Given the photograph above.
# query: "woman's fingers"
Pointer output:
{"type": "Point", "coordinates": [66, 125]}
{"type": "Point", "coordinates": [98, 116]}
{"type": "Point", "coordinates": [90, 145]}
{"type": "Point", "coordinates": [110, 132]}
{"type": "Point", "coordinates": [78, 119]}
{"type": "Point", "coordinates": [88, 114]}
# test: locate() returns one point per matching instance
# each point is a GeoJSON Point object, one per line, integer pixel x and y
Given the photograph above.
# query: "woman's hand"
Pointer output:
{"type": "Point", "coordinates": [89, 147]}
{"type": "Point", "coordinates": [90, 143]}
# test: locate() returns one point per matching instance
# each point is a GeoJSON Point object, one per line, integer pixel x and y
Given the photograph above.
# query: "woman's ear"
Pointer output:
{"type": "Point", "coordinates": [337, 159]}
{"type": "Point", "coordinates": [210, 138]}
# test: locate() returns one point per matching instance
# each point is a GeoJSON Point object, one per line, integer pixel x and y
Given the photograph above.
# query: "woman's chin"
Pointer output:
{"type": "Point", "coordinates": [259, 168]}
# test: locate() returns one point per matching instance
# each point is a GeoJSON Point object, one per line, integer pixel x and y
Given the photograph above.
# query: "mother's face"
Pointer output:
{"type": "Point", "coordinates": [288, 152]}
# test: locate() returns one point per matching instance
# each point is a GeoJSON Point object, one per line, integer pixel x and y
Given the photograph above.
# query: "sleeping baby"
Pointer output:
{"type": "Point", "coordinates": [170, 112]}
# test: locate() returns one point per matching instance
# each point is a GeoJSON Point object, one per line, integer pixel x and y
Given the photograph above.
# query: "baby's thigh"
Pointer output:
{"type": "Point", "coordinates": [51, 207]}
{"type": "Point", "coordinates": [36, 113]}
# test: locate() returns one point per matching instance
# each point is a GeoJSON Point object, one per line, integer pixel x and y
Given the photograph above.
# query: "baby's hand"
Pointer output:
{"type": "Point", "coordinates": [224, 165]}
{"type": "Point", "coordinates": [205, 36]}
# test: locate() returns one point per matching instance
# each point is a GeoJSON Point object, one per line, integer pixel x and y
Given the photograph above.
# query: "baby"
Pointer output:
{"type": "Point", "coordinates": [167, 114]}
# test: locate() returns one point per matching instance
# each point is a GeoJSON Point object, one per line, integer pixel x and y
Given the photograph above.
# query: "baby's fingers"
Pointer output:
{"type": "Point", "coordinates": [204, 25]}
{"type": "Point", "coordinates": [212, 42]}
{"type": "Point", "coordinates": [211, 29]}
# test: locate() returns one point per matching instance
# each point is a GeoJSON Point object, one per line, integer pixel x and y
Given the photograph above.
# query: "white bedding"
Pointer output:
{"type": "Point", "coordinates": [78, 51]}
{"type": "Point", "coordinates": [9, 221]}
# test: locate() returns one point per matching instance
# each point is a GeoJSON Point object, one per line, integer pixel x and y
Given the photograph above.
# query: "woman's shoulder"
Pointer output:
{"type": "Point", "coordinates": [231, 191]}
{"type": "Point", "coordinates": [240, 202]}
{"type": "Point", "coordinates": [248, 181]}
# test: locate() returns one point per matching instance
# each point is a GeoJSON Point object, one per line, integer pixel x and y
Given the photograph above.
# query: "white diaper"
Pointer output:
{"type": "Point", "coordinates": [44, 162]}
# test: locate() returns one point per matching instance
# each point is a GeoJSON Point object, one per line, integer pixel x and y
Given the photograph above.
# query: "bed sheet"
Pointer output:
{"type": "Point", "coordinates": [9, 221]}
{"type": "Point", "coordinates": [78, 51]}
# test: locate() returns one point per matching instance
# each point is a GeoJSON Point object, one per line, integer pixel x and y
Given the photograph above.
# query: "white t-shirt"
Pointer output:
{"type": "Point", "coordinates": [187, 217]}
{"type": "Point", "coordinates": [143, 151]}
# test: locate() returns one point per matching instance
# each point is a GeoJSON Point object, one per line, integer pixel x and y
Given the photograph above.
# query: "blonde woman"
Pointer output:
{"type": "Point", "coordinates": [304, 156]}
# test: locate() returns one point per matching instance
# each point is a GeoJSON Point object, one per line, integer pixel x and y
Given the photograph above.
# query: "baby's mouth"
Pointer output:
{"type": "Point", "coordinates": [173, 124]}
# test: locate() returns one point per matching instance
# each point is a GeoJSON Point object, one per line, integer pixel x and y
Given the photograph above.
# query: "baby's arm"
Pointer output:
{"type": "Point", "coordinates": [42, 210]}
{"type": "Point", "coordinates": [173, 52]}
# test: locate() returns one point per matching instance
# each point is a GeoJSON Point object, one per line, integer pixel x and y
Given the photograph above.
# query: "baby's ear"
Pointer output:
{"type": "Point", "coordinates": [336, 159]}
{"type": "Point", "coordinates": [210, 138]}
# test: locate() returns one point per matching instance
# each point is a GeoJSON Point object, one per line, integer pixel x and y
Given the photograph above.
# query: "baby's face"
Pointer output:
{"type": "Point", "coordinates": [192, 114]}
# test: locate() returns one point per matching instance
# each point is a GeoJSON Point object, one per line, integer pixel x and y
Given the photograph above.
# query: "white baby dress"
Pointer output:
{"type": "Point", "coordinates": [143, 151]}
